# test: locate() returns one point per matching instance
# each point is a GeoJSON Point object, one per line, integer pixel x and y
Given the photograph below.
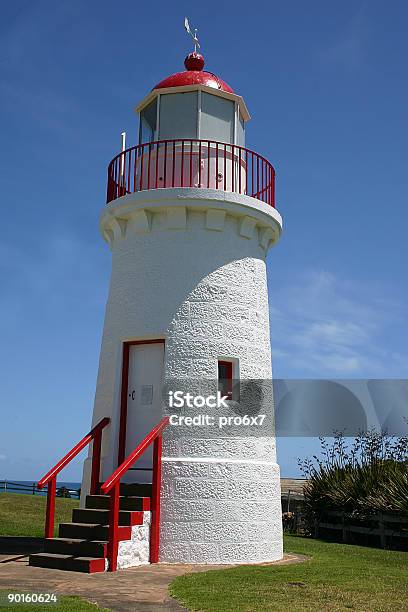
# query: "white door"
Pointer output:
{"type": "Point", "coordinates": [144, 405]}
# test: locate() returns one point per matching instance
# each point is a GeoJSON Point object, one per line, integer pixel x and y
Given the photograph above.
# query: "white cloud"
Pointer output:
{"type": "Point", "coordinates": [322, 326]}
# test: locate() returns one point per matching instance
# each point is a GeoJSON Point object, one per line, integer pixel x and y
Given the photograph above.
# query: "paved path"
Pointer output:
{"type": "Point", "coordinates": [137, 589]}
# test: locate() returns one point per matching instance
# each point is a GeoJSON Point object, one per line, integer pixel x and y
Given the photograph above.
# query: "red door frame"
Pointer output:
{"type": "Point", "coordinates": [124, 392]}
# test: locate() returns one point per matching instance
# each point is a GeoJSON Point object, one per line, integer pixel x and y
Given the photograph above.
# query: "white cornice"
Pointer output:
{"type": "Point", "coordinates": [133, 212]}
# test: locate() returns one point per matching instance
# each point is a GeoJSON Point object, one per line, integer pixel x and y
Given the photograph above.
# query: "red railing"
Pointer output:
{"type": "Point", "coordinates": [191, 163]}
{"type": "Point", "coordinates": [112, 486]}
{"type": "Point", "coordinates": [50, 478]}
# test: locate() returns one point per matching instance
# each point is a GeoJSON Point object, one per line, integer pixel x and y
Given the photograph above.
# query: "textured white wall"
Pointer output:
{"type": "Point", "coordinates": [216, 511]}
{"type": "Point", "coordinates": [189, 265]}
{"type": "Point", "coordinates": [136, 551]}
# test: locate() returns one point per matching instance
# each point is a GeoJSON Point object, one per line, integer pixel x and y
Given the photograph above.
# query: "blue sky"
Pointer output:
{"type": "Point", "coordinates": [327, 89]}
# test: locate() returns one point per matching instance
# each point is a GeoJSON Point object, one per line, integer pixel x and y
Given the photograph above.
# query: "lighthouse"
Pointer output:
{"type": "Point", "coordinates": [182, 465]}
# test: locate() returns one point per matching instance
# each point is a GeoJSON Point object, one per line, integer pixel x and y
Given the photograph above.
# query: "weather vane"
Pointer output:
{"type": "Point", "coordinates": [193, 35]}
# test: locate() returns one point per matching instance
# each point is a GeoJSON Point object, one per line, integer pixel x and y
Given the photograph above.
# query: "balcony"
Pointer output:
{"type": "Point", "coordinates": [192, 164]}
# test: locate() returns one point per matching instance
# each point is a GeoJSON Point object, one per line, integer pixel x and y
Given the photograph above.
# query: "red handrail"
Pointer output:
{"type": "Point", "coordinates": [112, 486]}
{"type": "Point", "coordinates": [191, 163]}
{"type": "Point", "coordinates": [51, 477]}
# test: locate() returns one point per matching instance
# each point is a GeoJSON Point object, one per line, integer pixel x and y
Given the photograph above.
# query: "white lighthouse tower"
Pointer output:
{"type": "Point", "coordinates": [190, 218]}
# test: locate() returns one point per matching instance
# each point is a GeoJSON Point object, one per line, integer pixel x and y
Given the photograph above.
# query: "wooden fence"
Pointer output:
{"type": "Point", "coordinates": [384, 530]}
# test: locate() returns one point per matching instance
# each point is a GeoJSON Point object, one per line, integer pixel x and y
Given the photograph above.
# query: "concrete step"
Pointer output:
{"type": "Point", "coordinates": [101, 517]}
{"type": "Point", "coordinates": [101, 502]}
{"type": "Point", "coordinates": [135, 489]}
{"type": "Point", "coordinates": [76, 547]}
{"type": "Point", "coordinates": [89, 565]}
{"type": "Point", "coordinates": [53, 560]}
{"type": "Point", "coordinates": [89, 531]}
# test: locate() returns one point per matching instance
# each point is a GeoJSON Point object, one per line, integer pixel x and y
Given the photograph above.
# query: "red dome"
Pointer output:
{"type": "Point", "coordinates": [194, 75]}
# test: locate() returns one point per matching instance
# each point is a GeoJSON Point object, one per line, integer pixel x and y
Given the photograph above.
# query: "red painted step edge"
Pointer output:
{"type": "Point", "coordinates": [97, 565]}
{"type": "Point", "coordinates": [146, 503]}
{"type": "Point", "coordinates": [136, 518]}
{"type": "Point", "coordinates": [124, 533]}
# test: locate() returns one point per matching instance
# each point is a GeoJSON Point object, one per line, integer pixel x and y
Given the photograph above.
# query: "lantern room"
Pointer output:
{"type": "Point", "coordinates": [192, 134]}
{"type": "Point", "coordinates": [193, 104]}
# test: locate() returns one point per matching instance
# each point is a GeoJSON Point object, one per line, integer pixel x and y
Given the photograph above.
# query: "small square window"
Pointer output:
{"type": "Point", "coordinates": [225, 377]}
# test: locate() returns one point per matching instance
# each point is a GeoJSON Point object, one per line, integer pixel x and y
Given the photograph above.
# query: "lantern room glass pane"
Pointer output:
{"type": "Point", "coordinates": [217, 118]}
{"type": "Point", "coordinates": [148, 118]}
{"type": "Point", "coordinates": [178, 115]}
{"type": "Point", "coordinates": [241, 131]}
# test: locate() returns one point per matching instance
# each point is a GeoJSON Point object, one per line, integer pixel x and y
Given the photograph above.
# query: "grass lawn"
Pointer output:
{"type": "Point", "coordinates": [65, 604]}
{"type": "Point", "coordinates": [337, 577]}
{"type": "Point", "coordinates": [24, 515]}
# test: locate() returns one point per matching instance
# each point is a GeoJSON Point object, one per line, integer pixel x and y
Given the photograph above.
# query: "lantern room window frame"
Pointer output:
{"type": "Point", "coordinates": [240, 111]}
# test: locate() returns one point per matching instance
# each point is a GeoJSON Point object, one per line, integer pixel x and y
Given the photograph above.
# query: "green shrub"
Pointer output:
{"type": "Point", "coordinates": [366, 477]}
